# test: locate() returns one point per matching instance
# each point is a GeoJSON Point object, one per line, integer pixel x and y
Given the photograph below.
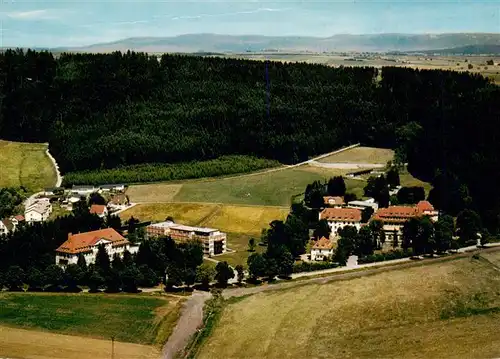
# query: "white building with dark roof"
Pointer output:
{"type": "Point", "coordinates": [38, 211]}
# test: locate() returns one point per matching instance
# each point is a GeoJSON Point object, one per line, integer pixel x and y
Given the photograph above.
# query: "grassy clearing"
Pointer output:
{"type": "Point", "coordinates": [30, 344]}
{"type": "Point", "coordinates": [26, 164]}
{"type": "Point", "coordinates": [184, 213]}
{"type": "Point", "coordinates": [158, 192]}
{"type": "Point", "coordinates": [407, 180]}
{"type": "Point", "coordinates": [272, 189]}
{"type": "Point", "coordinates": [133, 319]}
{"type": "Point", "coordinates": [361, 155]}
{"type": "Point", "coordinates": [441, 310]}
{"type": "Point", "coordinates": [239, 244]}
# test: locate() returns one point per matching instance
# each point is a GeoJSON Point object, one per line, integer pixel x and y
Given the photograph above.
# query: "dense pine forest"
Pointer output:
{"type": "Point", "coordinates": [102, 111]}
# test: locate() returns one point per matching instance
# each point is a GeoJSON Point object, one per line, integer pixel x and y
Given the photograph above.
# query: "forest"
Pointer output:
{"type": "Point", "coordinates": [103, 111]}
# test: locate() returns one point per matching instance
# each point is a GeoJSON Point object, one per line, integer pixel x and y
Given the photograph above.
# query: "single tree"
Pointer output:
{"type": "Point", "coordinates": [223, 273]}
{"type": "Point", "coordinates": [130, 277]}
{"type": "Point", "coordinates": [256, 266]}
{"type": "Point", "coordinates": [366, 214]}
{"type": "Point", "coordinates": [205, 274]}
{"type": "Point", "coordinates": [240, 273]}
{"type": "Point", "coordinates": [349, 197]}
{"type": "Point", "coordinates": [117, 263]}
{"type": "Point", "coordinates": [251, 245]}
{"type": "Point", "coordinates": [284, 261]}
{"type": "Point", "coordinates": [54, 276]}
{"type": "Point", "coordinates": [468, 226]}
{"type": "Point", "coordinates": [113, 281]}
{"type": "Point", "coordinates": [102, 262]}
{"type": "Point", "coordinates": [336, 186]}
{"type": "Point", "coordinates": [14, 278]}
{"type": "Point", "coordinates": [393, 177]}
{"type": "Point", "coordinates": [73, 275]}
{"type": "Point", "coordinates": [395, 239]}
{"type": "Point", "coordinates": [96, 198]}
{"type": "Point", "coordinates": [127, 259]}
{"type": "Point", "coordinates": [149, 278]}
{"type": "Point", "coordinates": [322, 229]}
{"type": "Point", "coordinates": [82, 263]}
{"type": "Point", "coordinates": [35, 280]}
{"type": "Point", "coordinates": [95, 281]}
{"type": "Point", "coordinates": [114, 221]}
{"type": "Point", "coordinates": [365, 242]}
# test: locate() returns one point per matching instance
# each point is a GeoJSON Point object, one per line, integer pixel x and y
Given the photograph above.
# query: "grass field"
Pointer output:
{"type": "Point", "coordinates": [274, 188]}
{"type": "Point", "coordinates": [133, 319]}
{"type": "Point", "coordinates": [26, 164]}
{"type": "Point", "coordinates": [407, 180]}
{"type": "Point", "coordinates": [442, 310]}
{"type": "Point", "coordinates": [361, 155]}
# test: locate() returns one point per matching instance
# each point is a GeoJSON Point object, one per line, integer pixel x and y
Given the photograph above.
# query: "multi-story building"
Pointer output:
{"type": "Point", "coordinates": [394, 217]}
{"type": "Point", "coordinates": [38, 211]}
{"type": "Point", "coordinates": [322, 250]}
{"type": "Point", "coordinates": [6, 226]}
{"type": "Point", "coordinates": [88, 243]}
{"type": "Point", "coordinates": [213, 240]}
{"type": "Point", "coordinates": [341, 217]}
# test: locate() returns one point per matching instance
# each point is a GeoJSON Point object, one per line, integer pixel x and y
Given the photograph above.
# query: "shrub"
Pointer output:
{"type": "Point", "coordinates": [313, 266]}
{"type": "Point", "coordinates": [395, 254]}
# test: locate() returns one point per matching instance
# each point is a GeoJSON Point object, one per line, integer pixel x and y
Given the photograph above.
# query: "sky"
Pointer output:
{"type": "Point", "coordinates": [45, 23]}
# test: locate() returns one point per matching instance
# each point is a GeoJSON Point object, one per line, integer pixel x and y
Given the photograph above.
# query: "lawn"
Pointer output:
{"type": "Point", "coordinates": [239, 244]}
{"type": "Point", "coordinates": [407, 180]}
{"type": "Point", "coordinates": [26, 164]}
{"type": "Point", "coordinates": [361, 155]}
{"type": "Point", "coordinates": [184, 213]}
{"type": "Point", "coordinates": [157, 192]}
{"type": "Point", "coordinates": [272, 189]}
{"type": "Point", "coordinates": [133, 319]}
{"type": "Point", "coordinates": [442, 310]}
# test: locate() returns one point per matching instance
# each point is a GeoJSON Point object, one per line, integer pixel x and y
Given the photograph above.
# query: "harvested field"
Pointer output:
{"type": "Point", "coordinates": [26, 164]}
{"type": "Point", "coordinates": [441, 310]}
{"type": "Point", "coordinates": [31, 344]}
{"type": "Point", "coordinates": [184, 213]}
{"type": "Point", "coordinates": [361, 155]}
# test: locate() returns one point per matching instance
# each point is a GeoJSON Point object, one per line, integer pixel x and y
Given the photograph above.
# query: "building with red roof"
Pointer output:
{"type": "Point", "coordinates": [322, 249]}
{"type": "Point", "coordinates": [99, 209]}
{"type": "Point", "coordinates": [88, 243]}
{"type": "Point", "coordinates": [341, 217]}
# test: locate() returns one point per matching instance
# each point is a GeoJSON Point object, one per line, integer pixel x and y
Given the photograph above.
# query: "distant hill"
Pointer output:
{"type": "Point", "coordinates": [253, 43]}
{"type": "Point", "coordinates": [469, 50]}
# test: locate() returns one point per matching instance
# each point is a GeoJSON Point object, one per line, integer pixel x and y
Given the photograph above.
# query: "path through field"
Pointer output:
{"type": "Point", "coordinates": [191, 319]}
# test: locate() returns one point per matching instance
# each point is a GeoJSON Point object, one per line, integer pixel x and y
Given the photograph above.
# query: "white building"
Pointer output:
{"type": "Point", "coordinates": [6, 226]}
{"type": "Point", "coordinates": [333, 201]}
{"type": "Point", "coordinates": [322, 250]}
{"type": "Point", "coordinates": [369, 203]}
{"type": "Point", "coordinates": [38, 211]}
{"type": "Point", "coordinates": [341, 217]}
{"type": "Point", "coordinates": [88, 244]}
{"type": "Point", "coordinates": [112, 187]}
{"type": "Point", "coordinates": [213, 240]}
{"type": "Point", "coordinates": [83, 190]}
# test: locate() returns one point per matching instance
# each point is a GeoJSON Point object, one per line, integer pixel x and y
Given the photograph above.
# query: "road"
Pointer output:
{"type": "Point", "coordinates": [190, 321]}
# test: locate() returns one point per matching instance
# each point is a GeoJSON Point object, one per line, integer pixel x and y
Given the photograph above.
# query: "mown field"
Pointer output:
{"type": "Point", "coordinates": [133, 319]}
{"type": "Point", "coordinates": [449, 309]}
{"type": "Point", "coordinates": [26, 164]}
{"type": "Point", "coordinates": [272, 188]}
{"type": "Point", "coordinates": [361, 155]}
{"type": "Point", "coordinates": [239, 222]}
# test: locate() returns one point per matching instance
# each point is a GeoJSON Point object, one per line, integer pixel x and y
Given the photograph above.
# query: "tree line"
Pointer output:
{"type": "Point", "coordinates": [102, 111]}
{"type": "Point", "coordinates": [153, 172]}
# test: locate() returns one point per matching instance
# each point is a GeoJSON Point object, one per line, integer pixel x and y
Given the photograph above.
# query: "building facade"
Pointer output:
{"type": "Point", "coordinates": [339, 218]}
{"type": "Point", "coordinates": [322, 250]}
{"type": "Point", "coordinates": [88, 243]}
{"type": "Point", "coordinates": [38, 211]}
{"type": "Point", "coordinates": [213, 240]}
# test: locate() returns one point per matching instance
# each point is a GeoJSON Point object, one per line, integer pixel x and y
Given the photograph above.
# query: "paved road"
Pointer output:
{"type": "Point", "coordinates": [190, 321]}
{"type": "Point", "coordinates": [347, 166]}
{"type": "Point", "coordinates": [56, 166]}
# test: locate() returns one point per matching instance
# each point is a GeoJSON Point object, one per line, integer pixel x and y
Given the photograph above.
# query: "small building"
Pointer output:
{"type": "Point", "coordinates": [38, 211]}
{"type": "Point", "coordinates": [99, 209]}
{"type": "Point", "coordinates": [83, 190]}
{"type": "Point", "coordinates": [341, 217]}
{"type": "Point", "coordinates": [333, 201]}
{"type": "Point", "coordinates": [427, 209]}
{"type": "Point", "coordinates": [112, 187]}
{"type": "Point", "coordinates": [322, 250]}
{"type": "Point", "coordinates": [88, 243]}
{"type": "Point", "coordinates": [369, 203]}
{"type": "Point", "coordinates": [16, 220]}
{"type": "Point", "coordinates": [6, 226]}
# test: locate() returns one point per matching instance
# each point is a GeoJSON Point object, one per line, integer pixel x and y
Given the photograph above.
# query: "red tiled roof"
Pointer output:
{"type": "Point", "coordinates": [335, 199]}
{"type": "Point", "coordinates": [425, 206]}
{"type": "Point", "coordinates": [396, 213]}
{"type": "Point", "coordinates": [341, 214]}
{"type": "Point", "coordinates": [83, 242]}
{"type": "Point", "coordinates": [323, 243]}
{"type": "Point", "coordinates": [97, 209]}
{"type": "Point", "coordinates": [19, 217]}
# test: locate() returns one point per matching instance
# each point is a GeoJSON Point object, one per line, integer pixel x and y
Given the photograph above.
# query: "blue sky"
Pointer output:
{"type": "Point", "coordinates": [73, 23]}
